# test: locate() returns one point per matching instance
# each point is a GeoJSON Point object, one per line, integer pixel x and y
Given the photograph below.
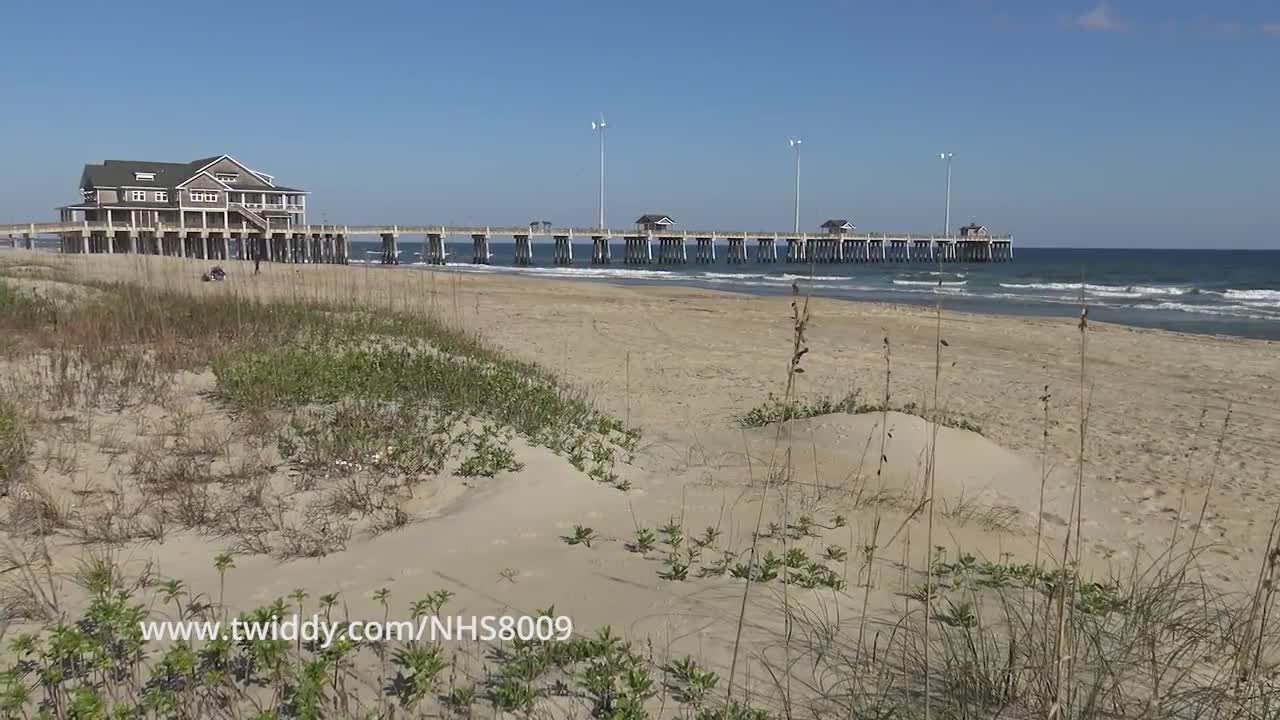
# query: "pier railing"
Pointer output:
{"type": "Point", "coordinates": [488, 230]}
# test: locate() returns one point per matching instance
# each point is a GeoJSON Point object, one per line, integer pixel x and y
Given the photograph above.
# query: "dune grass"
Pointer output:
{"type": "Point", "coordinates": [975, 637]}
{"type": "Point", "coordinates": [778, 409]}
{"type": "Point", "coordinates": [15, 447]}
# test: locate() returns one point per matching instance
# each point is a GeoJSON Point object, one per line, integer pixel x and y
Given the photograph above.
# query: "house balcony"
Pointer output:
{"type": "Point", "coordinates": [287, 207]}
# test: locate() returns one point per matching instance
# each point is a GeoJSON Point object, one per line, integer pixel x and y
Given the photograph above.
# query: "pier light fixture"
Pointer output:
{"type": "Point", "coordinates": [599, 127]}
{"type": "Point", "coordinates": [794, 143]}
{"type": "Point", "coordinates": [946, 228]}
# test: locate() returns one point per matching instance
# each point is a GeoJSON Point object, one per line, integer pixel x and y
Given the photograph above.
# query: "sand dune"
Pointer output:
{"type": "Point", "coordinates": [686, 364]}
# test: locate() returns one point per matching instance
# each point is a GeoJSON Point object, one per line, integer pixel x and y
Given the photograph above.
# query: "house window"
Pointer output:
{"type": "Point", "coordinates": [89, 195]}
{"type": "Point", "coordinates": [162, 196]}
{"type": "Point", "coordinates": [138, 195]}
{"type": "Point", "coordinates": [227, 177]}
{"type": "Point", "coordinates": [204, 196]}
{"type": "Point", "coordinates": [144, 176]}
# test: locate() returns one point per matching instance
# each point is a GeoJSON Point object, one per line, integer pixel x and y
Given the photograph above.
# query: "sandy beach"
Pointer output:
{"type": "Point", "coordinates": [684, 365]}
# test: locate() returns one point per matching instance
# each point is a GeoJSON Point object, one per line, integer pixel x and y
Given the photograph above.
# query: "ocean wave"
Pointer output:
{"type": "Point", "coordinates": [929, 282]}
{"type": "Point", "coordinates": [789, 276]}
{"type": "Point", "coordinates": [935, 273]}
{"type": "Point", "coordinates": [1161, 290]}
{"type": "Point", "coordinates": [1118, 294]}
{"type": "Point", "coordinates": [1271, 297]}
{"type": "Point", "coordinates": [934, 290]}
{"type": "Point", "coordinates": [1105, 290]}
{"type": "Point", "coordinates": [731, 276]}
{"type": "Point", "coordinates": [1234, 311]}
{"type": "Point", "coordinates": [598, 273]}
{"type": "Point", "coordinates": [741, 283]}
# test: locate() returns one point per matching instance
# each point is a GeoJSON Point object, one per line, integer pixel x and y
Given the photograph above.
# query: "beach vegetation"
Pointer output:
{"type": "Point", "coordinates": [362, 407]}
{"type": "Point", "coordinates": [489, 454]}
{"type": "Point", "coordinates": [645, 541]}
{"type": "Point", "coordinates": [776, 409]}
{"type": "Point", "coordinates": [15, 447]}
{"type": "Point", "coordinates": [581, 536]}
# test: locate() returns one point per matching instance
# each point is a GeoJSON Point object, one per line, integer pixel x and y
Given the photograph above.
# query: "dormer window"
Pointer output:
{"type": "Point", "coordinates": [227, 178]}
{"type": "Point", "coordinates": [140, 176]}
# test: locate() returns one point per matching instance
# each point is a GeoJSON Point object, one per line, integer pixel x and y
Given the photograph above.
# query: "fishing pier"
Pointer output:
{"type": "Point", "coordinates": [652, 241]}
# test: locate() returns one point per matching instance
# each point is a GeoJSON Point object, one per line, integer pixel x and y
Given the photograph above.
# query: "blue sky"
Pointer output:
{"type": "Point", "coordinates": [1121, 124]}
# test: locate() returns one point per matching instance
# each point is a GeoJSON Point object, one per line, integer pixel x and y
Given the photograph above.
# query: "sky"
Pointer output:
{"type": "Point", "coordinates": [1122, 124]}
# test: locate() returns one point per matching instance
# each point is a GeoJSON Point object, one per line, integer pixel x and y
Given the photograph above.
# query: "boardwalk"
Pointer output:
{"type": "Point", "coordinates": [330, 243]}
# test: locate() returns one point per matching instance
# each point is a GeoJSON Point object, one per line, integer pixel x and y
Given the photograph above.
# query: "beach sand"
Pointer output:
{"type": "Point", "coordinates": [685, 364]}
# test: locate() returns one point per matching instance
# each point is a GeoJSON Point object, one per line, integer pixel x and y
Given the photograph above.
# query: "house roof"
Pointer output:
{"type": "Point", "coordinates": [655, 219]}
{"type": "Point", "coordinates": [119, 173]}
{"type": "Point", "coordinates": [115, 173]}
{"type": "Point", "coordinates": [973, 226]}
{"type": "Point", "coordinates": [837, 224]}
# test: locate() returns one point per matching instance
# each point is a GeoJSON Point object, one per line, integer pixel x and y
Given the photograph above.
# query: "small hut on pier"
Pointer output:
{"type": "Point", "coordinates": [838, 227]}
{"type": "Point", "coordinates": [654, 222]}
{"type": "Point", "coordinates": [974, 231]}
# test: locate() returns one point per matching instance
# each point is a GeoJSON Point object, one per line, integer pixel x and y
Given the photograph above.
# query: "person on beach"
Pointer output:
{"type": "Point", "coordinates": [257, 261]}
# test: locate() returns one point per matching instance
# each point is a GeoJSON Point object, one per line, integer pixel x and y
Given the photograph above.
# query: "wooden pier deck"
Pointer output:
{"type": "Point", "coordinates": [330, 243]}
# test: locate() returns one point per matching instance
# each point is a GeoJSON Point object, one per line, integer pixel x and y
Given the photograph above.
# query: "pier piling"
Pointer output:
{"type": "Point", "coordinates": [523, 252]}
{"type": "Point", "coordinates": [564, 250]}
{"type": "Point", "coordinates": [600, 252]}
{"type": "Point", "coordinates": [706, 250]}
{"type": "Point", "coordinates": [390, 249]}
{"type": "Point", "coordinates": [480, 249]}
{"type": "Point", "coordinates": [435, 251]}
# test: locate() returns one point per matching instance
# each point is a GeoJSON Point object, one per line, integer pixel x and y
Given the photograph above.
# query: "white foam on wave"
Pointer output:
{"type": "Point", "coordinates": [1104, 290]}
{"type": "Point", "coordinates": [730, 276]}
{"type": "Point", "coordinates": [1234, 311]}
{"type": "Point", "coordinates": [935, 283]}
{"type": "Point", "coordinates": [789, 276]}
{"type": "Point", "coordinates": [1119, 294]}
{"type": "Point", "coordinates": [1261, 298]}
{"type": "Point", "coordinates": [597, 273]}
{"type": "Point", "coordinates": [743, 283]}
{"type": "Point", "coordinates": [932, 288]}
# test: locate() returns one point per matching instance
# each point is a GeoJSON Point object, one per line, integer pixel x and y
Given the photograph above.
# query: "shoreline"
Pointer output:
{"type": "Point", "coordinates": [1240, 299]}
{"type": "Point", "coordinates": [908, 307]}
{"type": "Point", "coordinates": [1180, 306]}
{"type": "Point", "coordinates": [1007, 289]}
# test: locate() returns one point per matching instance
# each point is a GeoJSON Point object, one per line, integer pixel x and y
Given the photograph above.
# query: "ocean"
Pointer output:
{"type": "Point", "coordinates": [1225, 292]}
{"type": "Point", "coordinates": [1222, 292]}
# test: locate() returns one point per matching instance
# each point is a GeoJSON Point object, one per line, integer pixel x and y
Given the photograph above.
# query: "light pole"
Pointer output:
{"type": "Point", "coordinates": [946, 229]}
{"type": "Point", "coordinates": [795, 144]}
{"type": "Point", "coordinates": [599, 127]}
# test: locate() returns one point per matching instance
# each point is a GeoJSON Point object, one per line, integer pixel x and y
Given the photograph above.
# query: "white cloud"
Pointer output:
{"type": "Point", "coordinates": [1100, 19]}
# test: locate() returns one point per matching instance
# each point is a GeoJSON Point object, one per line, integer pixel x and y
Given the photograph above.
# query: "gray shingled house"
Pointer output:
{"type": "Point", "coordinates": [213, 192]}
